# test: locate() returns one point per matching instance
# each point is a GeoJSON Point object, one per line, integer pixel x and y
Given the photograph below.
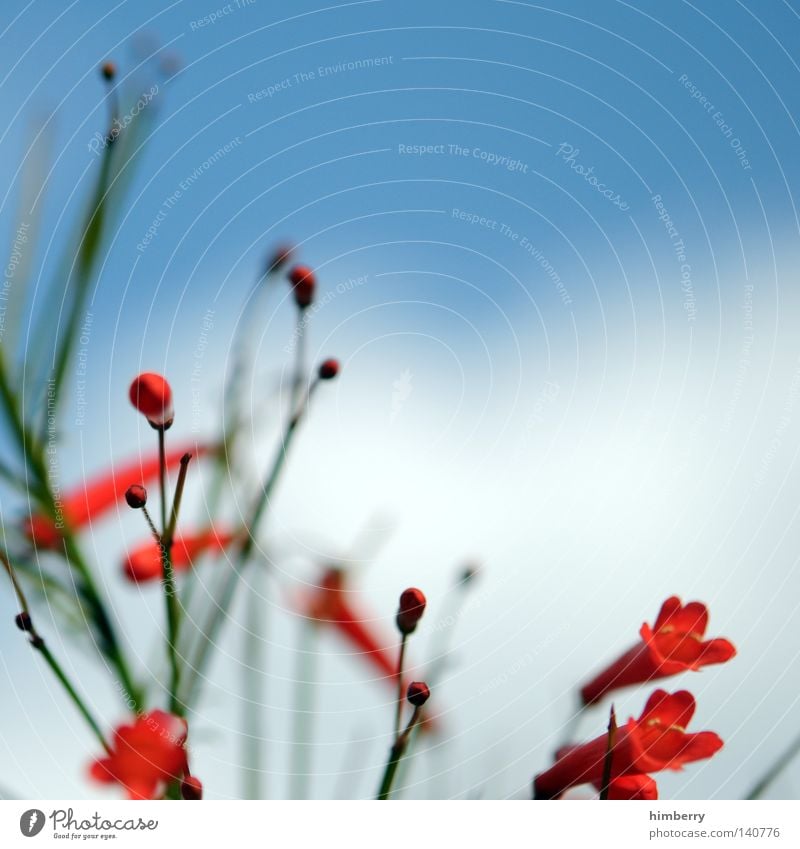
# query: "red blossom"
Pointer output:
{"type": "Point", "coordinates": [152, 396]}
{"type": "Point", "coordinates": [674, 644]}
{"type": "Point", "coordinates": [144, 563]}
{"type": "Point", "coordinates": [145, 756]}
{"type": "Point", "coordinates": [657, 740]}
{"type": "Point", "coordinates": [91, 499]}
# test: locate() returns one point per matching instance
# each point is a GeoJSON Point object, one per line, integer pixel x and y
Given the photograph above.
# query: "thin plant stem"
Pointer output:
{"type": "Point", "coordinates": [783, 761]}
{"type": "Point", "coordinates": [38, 643]}
{"type": "Point", "coordinates": [605, 784]}
{"type": "Point", "coordinates": [400, 662]}
{"type": "Point", "coordinates": [395, 756]}
{"type": "Point", "coordinates": [162, 478]}
{"type": "Point", "coordinates": [253, 732]}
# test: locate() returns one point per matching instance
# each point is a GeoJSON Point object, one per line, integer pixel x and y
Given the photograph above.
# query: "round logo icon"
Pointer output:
{"type": "Point", "coordinates": [31, 822]}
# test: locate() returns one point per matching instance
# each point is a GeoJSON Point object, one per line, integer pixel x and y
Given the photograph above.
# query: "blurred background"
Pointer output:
{"type": "Point", "coordinates": [556, 247]}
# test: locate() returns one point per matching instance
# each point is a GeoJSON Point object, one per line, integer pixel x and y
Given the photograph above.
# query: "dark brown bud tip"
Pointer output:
{"type": "Point", "coordinates": [108, 70]}
{"type": "Point", "coordinates": [136, 496]}
{"type": "Point", "coordinates": [23, 621]}
{"type": "Point", "coordinates": [412, 606]}
{"type": "Point", "coordinates": [418, 693]}
{"type": "Point", "coordinates": [328, 369]}
{"type": "Point", "coordinates": [192, 788]}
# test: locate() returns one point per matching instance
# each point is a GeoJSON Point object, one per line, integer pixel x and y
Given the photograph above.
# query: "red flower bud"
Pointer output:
{"type": "Point", "coordinates": [303, 283]}
{"type": "Point", "coordinates": [279, 257]}
{"type": "Point", "coordinates": [108, 70]}
{"type": "Point", "coordinates": [192, 788]}
{"type": "Point", "coordinates": [23, 621]}
{"type": "Point", "coordinates": [412, 606]}
{"type": "Point", "coordinates": [152, 396]}
{"type": "Point", "coordinates": [328, 369]}
{"type": "Point", "coordinates": [136, 496]}
{"type": "Point", "coordinates": [418, 693]}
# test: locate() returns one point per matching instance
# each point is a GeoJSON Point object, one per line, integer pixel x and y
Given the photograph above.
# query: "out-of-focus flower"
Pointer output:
{"type": "Point", "coordinates": [152, 396]}
{"type": "Point", "coordinates": [144, 562]}
{"type": "Point", "coordinates": [657, 740]}
{"type": "Point", "coordinates": [145, 756]}
{"type": "Point", "coordinates": [280, 255]}
{"type": "Point", "coordinates": [674, 644]}
{"type": "Point", "coordinates": [90, 500]}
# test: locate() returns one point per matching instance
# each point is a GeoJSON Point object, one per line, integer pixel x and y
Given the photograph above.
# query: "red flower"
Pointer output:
{"type": "Point", "coordinates": [145, 756]}
{"type": "Point", "coordinates": [330, 605]}
{"type": "Point", "coordinates": [633, 787]}
{"type": "Point", "coordinates": [152, 396]}
{"type": "Point", "coordinates": [91, 499]}
{"type": "Point", "coordinates": [656, 741]}
{"type": "Point", "coordinates": [673, 645]}
{"type": "Point", "coordinates": [144, 562]}
{"type": "Point", "coordinates": [303, 285]}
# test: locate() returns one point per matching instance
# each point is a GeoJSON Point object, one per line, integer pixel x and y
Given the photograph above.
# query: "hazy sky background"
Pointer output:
{"type": "Point", "coordinates": [535, 375]}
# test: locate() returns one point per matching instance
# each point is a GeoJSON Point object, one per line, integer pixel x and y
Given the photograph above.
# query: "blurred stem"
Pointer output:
{"type": "Point", "coordinates": [605, 784]}
{"type": "Point", "coordinates": [253, 732]}
{"type": "Point", "coordinates": [162, 478]}
{"type": "Point", "coordinates": [303, 713]}
{"type": "Point", "coordinates": [783, 761]}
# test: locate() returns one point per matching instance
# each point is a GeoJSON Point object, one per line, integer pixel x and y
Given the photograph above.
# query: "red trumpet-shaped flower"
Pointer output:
{"type": "Point", "coordinates": [90, 500]}
{"type": "Point", "coordinates": [656, 741]}
{"type": "Point", "coordinates": [152, 396]}
{"type": "Point", "coordinates": [144, 563]}
{"type": "Point", "coordinates": [628, 787]}
{"type": "Point", "coordinates": [145, 756]}
{"type": "Point", "coordinates": [330, 605]}
{"type": "Point", "coordinates": [674, 644]}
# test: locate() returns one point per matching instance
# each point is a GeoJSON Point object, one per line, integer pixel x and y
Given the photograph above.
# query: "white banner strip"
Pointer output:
{"type": "Point", "coordinates": [402, 825]}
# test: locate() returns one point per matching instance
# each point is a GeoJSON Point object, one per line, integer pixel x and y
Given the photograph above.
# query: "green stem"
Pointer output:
{"type": "Point", "coordinates": [303, 713]}
{"type": "Point", "coordinates": [395, 756]}
{"type": "Point", "coordinates": [605, 784]}
{"type": "Point", "coordinates": [400, 699]}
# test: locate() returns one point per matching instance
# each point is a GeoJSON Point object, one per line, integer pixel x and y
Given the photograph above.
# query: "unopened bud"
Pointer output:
{"type": "Point", "coordinates": [412, 606]}
{"type": "Point", "coordinates": [418, 693]}
{"type": "Point", "coordinates": [328, 369]}
{"type": "Point", "coordinates": [303, 285]}
{"type": "Point", "coordinates": [136, 496]}
{"type": "Point", "coordinates": [108, 70]}
{"type": "Point", "coordinates": [23, 621]}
